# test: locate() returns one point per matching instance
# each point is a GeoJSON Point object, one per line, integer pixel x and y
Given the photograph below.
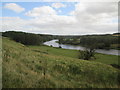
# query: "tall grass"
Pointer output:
{"type": "Point", "coordinates": [24, 67]}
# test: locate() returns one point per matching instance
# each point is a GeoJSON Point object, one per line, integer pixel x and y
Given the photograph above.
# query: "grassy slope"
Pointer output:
{"type": "Point", "coordinates": [24, 67]}
{"type": "Point", "coordinates": [106, 59]}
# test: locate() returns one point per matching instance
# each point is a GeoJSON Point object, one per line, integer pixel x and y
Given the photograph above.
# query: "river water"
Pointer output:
{"type": "Point", "coordinates": [54, 44]}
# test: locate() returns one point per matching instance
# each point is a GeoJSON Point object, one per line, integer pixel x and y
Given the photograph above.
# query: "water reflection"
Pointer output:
{"type": "Point", "coordinates": [54, 44]}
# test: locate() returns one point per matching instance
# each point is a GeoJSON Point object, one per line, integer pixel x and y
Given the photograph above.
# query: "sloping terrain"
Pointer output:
{"type": "Point", "coordinates": [26, 67]}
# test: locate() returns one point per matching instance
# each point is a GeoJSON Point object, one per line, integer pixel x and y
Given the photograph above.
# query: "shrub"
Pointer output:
{"type": "Point", "coordinates": [87, 54]}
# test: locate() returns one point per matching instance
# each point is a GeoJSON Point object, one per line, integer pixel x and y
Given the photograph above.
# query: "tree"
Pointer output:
{"type": "Point", "coordinates": [60, 42]}
{"type": "Point", "coordinates": [87, 54]}
{"type": "Point", "coordinates": [27, 38]}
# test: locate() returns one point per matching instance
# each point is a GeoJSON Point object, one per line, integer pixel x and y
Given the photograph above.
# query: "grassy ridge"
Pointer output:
{"type": "Point", "coordinates": [41, 66]}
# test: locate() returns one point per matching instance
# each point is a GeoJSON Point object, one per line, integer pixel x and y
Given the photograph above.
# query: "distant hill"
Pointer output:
{"type": "Point", "coordinates": [116, 34]}
{"type": "Point", "coordinates": [27, 38]}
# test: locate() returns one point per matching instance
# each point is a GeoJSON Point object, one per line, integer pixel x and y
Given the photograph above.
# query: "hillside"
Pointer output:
{"type": "Point", "coordinates": [27, 38]}
{"type": "Point", "coordinates": [36, 67]}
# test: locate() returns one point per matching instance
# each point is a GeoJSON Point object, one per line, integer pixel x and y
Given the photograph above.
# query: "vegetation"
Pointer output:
{"type": "Point", "coordinates": [87, 54]}
{"type": "Point", "coordinates": [27, 38]}
{"type": "Point", "coordinates": [102, 58]}
{"type": "Point", "coordinates": [48, 67]}
{"type": "Point", "coordinates": [106, 41]}
{"type": "Point", "coordinates": [99, 41]}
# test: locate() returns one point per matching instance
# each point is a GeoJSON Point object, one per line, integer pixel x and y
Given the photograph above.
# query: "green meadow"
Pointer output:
{"type": "Point", "coordinates": [103, 58]}
{"type": "Point", "coordinates": [48, 67]}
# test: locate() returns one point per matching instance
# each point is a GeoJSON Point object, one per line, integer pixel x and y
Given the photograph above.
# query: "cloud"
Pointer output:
{"type": "Point", "coordinates": [41, 11]}
{"type": "Point", "coordinates": [58, 5]}
{"type": "Point", "coordinates": [87, 18]}
{"type": "Point", "coordinates": [14, 7]}
{"type": "Point", "coordinates": [14, 23]}
{"type": "Point", "coordinates": [96, 8]}
{"type": "Point", "coordinates": [53, 21]}
{"type": "Point", "coordinates": [96, 16]}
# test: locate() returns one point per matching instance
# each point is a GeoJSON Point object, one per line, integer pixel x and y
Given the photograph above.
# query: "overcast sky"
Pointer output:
{"type": "Point", "coordinates": [60, 18]}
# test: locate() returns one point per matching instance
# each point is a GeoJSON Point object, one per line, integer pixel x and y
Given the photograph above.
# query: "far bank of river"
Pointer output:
{"type": "Point", "coordinates": [54, 44]}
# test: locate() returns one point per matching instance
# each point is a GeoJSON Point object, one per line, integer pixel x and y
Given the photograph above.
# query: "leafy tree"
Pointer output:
{"type": "Point", "coordinates": [87, 54]}
{"type": "Point", "coordinates": [27, 38]}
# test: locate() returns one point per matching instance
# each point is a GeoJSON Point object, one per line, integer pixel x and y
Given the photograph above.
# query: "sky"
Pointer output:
{"type": "Point", "coordinates": [60, 18]}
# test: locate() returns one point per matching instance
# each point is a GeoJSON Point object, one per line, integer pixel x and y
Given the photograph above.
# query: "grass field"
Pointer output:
{"type": "Point", "coordinates": [103, 58]}
{"type": "Point", "coordinates": [48, 67]}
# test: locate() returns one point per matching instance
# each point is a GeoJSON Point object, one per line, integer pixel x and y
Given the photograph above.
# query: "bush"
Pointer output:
{"type": "Point", "coordinates": [87, 54]}
{"type": "Point", "coordinates": [60, 47]}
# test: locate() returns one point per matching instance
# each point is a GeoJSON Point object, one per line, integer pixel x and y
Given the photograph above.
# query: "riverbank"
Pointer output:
{"type": "Point", "coordinates": [73, 47]}
{"type": "Point", "coordinates": [102, 58]}
{"type": "Point", "coordinates": [49, 67]}
{"type": "Point", "coordinates": [113, 46]}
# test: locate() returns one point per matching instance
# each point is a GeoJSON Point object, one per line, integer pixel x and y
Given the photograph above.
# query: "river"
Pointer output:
{"type": "Point", "coordinates": [54, 44]}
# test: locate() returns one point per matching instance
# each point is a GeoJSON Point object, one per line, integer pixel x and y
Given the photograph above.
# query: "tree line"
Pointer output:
{"type": "Point", "coordinates": [96, 41]}
{"type": "Point", "coordinates": [27, 38]}
{"type": "Point", "coordinates": [99, 42]}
